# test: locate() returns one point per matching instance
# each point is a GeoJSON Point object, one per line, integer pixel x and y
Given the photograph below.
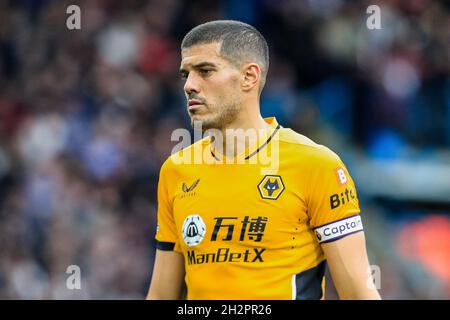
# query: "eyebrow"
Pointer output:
{"type": "Point", "coordinates": [199, 65]}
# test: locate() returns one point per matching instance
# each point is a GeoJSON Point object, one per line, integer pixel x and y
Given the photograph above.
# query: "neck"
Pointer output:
{"type": "Point", "coordinates": [243, 132]}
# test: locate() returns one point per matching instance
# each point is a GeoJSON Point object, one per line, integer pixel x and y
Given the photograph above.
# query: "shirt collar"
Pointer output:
{"type": "Point", "coordinates": [249, 152]}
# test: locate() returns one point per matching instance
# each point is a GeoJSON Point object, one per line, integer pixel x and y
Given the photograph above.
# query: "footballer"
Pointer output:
{"type": "Point", "coordinates": [229, 229]}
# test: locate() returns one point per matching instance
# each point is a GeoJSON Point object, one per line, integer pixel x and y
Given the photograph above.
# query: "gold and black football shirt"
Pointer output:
{"type": "Point", "coordinates": [252, 229]}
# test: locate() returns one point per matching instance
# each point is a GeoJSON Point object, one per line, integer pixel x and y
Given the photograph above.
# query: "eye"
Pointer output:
{"type": "Point", "coordinates": [205, 72]}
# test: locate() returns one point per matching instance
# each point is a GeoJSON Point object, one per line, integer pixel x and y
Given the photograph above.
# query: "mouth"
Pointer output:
{"type": "Point", "coordinates": [194, 104]}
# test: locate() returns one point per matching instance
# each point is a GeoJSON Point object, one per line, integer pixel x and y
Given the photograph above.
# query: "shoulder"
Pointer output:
{"type": "Point", "coordinates": [184, 157]}
{"type": "Point", "coordinates": [306, 148]}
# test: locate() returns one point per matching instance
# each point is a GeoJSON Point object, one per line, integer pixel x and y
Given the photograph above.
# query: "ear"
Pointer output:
{"type": "Point", "coordinates": [251, 74]}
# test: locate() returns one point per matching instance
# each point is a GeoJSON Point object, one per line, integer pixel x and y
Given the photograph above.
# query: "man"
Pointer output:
{"type": "Point", "coordinates": [226, 230]}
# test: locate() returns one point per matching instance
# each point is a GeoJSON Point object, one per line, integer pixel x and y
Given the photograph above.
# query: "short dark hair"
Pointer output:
{"type": "Point", "coordinates": [239, 41]}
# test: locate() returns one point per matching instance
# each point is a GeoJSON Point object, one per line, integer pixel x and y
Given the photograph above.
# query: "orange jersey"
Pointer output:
{"type": "Point", "coordinates": [247, 232]}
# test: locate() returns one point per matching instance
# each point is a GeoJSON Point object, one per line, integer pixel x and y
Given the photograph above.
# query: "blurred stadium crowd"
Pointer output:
{"type": "Point", "coordinates": [86, 118]}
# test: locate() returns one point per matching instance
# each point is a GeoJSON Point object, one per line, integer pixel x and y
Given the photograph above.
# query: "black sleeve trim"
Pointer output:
{"type": "Point", "coordinates": [165, 246]}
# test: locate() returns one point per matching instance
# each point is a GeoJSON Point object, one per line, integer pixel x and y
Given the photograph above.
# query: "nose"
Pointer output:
{"type": "Point", "coordinates": [191, 85]}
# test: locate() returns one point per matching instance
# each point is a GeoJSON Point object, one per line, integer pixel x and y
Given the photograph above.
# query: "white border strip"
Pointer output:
{"type": "Point", "coordinates": [294, 287]}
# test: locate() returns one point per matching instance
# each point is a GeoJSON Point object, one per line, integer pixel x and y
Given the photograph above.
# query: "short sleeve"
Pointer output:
{"type": "Point", "coordinates": [166, 232]}
{"type": "Point", "coordinates": [333, 205]}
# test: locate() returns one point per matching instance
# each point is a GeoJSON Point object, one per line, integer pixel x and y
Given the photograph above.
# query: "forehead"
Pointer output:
{"type": "Point", "coordinates": [209, 52]}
